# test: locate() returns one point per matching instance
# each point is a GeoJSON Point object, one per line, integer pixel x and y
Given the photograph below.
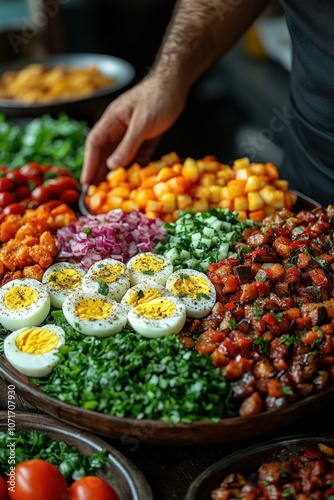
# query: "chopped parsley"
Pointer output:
{"type": "Point", "coordinates": [202, 296]}
{"type": "Point", "coordinates": [103, 287]}
{"type": "Point", "coordinates": [286, 389]}
{"type": "Point", "coordinates": [149, 272]}
{"type": "Point", "coordinates": [233, 323]}
{"type": "Point", "coordinates": [87, 230]}
{"type": "Point", "coordinates": [263, 344]}
{"type": "Point", "coordinates": [140, 294]}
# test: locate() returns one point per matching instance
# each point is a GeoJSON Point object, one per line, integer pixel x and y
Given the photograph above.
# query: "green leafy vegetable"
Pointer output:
{"type": "Point", "coordinates": [59, 141]}
{"type": "Point", "coordinates": [131, 376]}
{"type": "Point", "coordinates": [103, 287]}
{"type": "Point", "coordinates": [71, 463]}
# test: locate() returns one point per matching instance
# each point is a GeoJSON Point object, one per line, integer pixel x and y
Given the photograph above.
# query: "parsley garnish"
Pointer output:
{"type": "Point", "coordinates": [148, 272]}
{"type": "Point", "coordinates": [103, 287]}
{"type": "Point", "coordinates": [286, 389]}
{"type": "Point", "coordinates": [243, 250]}
{"type": "Point", "coordinates": [140, 294]}
{"type": "Point", "coordinates": [184, 276]}
{"type": "Point", "coordinates": [233, 323]}
{"type": "Point", "coordinates": [202, 296]}
{"type": "Point", "coordinates": [263, 343]}
{"type": "Point", "coordinates": [54, 277]}
{"type": "Point", "coordinates": [87, 230]}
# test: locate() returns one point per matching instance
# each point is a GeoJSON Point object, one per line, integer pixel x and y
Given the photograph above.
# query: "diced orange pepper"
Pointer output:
{"type": "Point", "coordinates": [178, 185]}
{"type": "Point", "coordinates": [256, 215]}
{"type": "Point", "coordinates": [114, 177]}
{"type": "Point", "coordinates": [129, 206]}
{"type": "Point", "coordinates": [149, 182]}
{"type": "Point", "coordinates": [148, 171]}
{"type": "Point", "coordinates": [271, 171]}
{"type": "Point", "coordinates": [143, 195]}
{"type": "Point", "coordinates": [168, 203]}
{"type": "Point", "coordinates": [184, 201]}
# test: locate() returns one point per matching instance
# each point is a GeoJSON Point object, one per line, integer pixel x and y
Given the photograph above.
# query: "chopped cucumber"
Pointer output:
{"type": "Point", "coordinates": [194, 241]}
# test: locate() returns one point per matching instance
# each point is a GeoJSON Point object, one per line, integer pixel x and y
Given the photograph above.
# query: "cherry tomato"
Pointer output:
{"type": "Point", "coordinates": [34, 181]}
{"type": "Point", "coordinates": [51, 204]}
{"type": "Point", "coordinates": [3, 489]}
{"type": "Point", "coordinates": [31, 169]}
{"type": "Point", "coordinates": [6, 184]}
{"type": "Point", "coordinates": [6, 199]}
{"type": "Point", "coordinates": [53, 172]}
{"type": "Point", "coordinates": [14, 208]}
{"type": "Point", "coordinates": [42, 194]}
{"type": "Point", "coordinates": [61, 183]}
{"type": "Point", "coordinates": [17, 177]}
{"type": "Point", "coordinates": [37, 479]}
{"type": "Point", "coordinates": [22, 192]}
{"type": "Point", "coordinates": [91, 488]}
{"type": "Point", "coordinates": [70, 197]}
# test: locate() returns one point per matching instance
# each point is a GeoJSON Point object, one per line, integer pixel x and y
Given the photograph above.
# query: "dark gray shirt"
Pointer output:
{"type": "Point", "coordinates": [309, 152]}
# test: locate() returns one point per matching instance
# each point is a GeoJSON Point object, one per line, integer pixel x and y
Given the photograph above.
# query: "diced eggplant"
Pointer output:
{"type": "Point", "coordinates": [243, 273]}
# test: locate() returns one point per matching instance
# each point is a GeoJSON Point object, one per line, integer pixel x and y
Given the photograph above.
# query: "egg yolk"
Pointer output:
{"type": "Point", "coordinates": [36, 341]}
{"type": "Point", "coordinates": [191, 286]}
{"type": "Point", "coordinates": [109, 273]}
{"type": "Point", "coordinates": [143, 296]}
{"type": "Point", "coordinates": [20, 297]}
{"type": "Point", "coordinates": [65, 279]}
{"type": "Point", "coordinates": [157, 310]}
{"type": "Point", "coordinates": [93, 309]}
{"type": "Point", "coordinates": [148, 265]}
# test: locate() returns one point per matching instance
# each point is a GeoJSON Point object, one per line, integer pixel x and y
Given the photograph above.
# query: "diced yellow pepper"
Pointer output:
{"type": "Point", "coordinates": [168, 203]}
{"type": "Point", "coordinates": [240, 203]}
{"type": "Point", "coordinates": [255, 201]}
{"type": "Point", "coordinates": [240, 163]}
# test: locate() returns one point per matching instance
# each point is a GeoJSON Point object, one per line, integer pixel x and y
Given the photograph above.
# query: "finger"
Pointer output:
{"type": "Point", "coordinates": [145, 152]}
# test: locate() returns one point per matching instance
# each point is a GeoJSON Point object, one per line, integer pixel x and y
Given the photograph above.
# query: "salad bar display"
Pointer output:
{"type": "Point", "coordinates": [183, 301]}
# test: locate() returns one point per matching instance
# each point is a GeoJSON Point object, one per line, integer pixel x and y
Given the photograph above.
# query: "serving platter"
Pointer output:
{"type": "Point", "coordinates": [157, 431]}
{"type": "Point", "coordinates": [127, 480]}
{"type": "Point", "coordinates": [120, 70]}
{"type": "Point", "coordinates": [248, 460]}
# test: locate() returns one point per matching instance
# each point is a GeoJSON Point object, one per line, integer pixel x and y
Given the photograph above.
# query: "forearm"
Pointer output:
{"type": "Point", "coordinates": [199, 33]}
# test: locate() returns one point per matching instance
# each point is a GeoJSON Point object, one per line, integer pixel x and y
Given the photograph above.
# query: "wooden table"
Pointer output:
{"type": "Point", "coordinates": [170, 470]}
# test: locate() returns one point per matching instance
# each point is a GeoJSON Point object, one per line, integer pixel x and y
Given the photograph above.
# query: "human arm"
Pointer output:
{"type": "Point", "coordinates": [198, 34]}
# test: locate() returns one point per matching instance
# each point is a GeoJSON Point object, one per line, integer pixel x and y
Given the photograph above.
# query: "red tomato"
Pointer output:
{"type": "Point", "coordinates": [6, 184]}
{"type": "Point", "coordinates": [22, 192]}
{"type": "Point", "coordinates": [70, 197]}
{"type": "Point", "coordinates": [31, 169]}
{"type": "Point", "coordinates": [17, 177]}
{"type": "Point", "coordinates": [53, 172]}
{"type": "Point", "coordinates": [14, 208]}
{"type": "Point", "coordinates": [38, 480]}
{"type": "Point", "coordinates": [91, 488]}
{"type": "Point", "coordinates": [41, 194]}
{"type": "Point", "coordinates": [3, 489]}
{"type": "Point", "coordinates": [6, 199]}
{"type": "Point", "coordinates": [61, 183]}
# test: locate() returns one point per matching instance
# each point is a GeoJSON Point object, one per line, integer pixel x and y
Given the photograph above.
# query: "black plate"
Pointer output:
{"type": "Point", "coordinates": [248, 460]}
{"type": "Point", "coordinates": [119, 69]}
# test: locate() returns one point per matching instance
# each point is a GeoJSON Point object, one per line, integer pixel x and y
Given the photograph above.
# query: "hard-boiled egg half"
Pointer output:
{"type": "Point", "coordinates": [158, 317]}
{"type": "Point", "coordinates": [62, 279]}
{"type": "Point", "coordinates": [23, 302]}
{"type": "Point", "coordinates": [149, 265]}
{"type": "Point", "coordinates": [107, 277]}
{"type": "Point", "coordinates": [94, 314]}
{"type": "Point", "coordinates": [142, 293]}
{"type": "Point", "coordinates": [32, 350]}
{"type": "Point", "coordinates": [194, 289]}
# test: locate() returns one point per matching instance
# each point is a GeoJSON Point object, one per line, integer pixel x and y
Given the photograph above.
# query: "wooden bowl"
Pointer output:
{"type": "Point", "coordinates": [128, 481]}
{"type": "Point", "coordinates": [156, 431]}
{"type": "Point", "coordinates": [248, 460]}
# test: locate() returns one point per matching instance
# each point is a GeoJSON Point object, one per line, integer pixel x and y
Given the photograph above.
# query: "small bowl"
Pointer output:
{"type": "Point", "coordinates": [247, 461]}
{"type": "Point", "coordinates": [127, 480]}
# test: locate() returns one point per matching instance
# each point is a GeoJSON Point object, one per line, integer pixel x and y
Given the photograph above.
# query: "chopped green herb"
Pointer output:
{"type": "Point", "coordinates": [140, 294]}
{"type": "Point", "coordinates": [263, 343]}
{"type": "Point", "coordinates": [184, 276]}
{"type": "Point", "coordinates": [233, 323]}
{"type": "Point", "coordinates": [242, 250]}
{"type": "Point", "coordinates": [202, 296]}
{"type": "Point", "coordinates": [286, 389]}
{"type": "Point", "coordinates": [71, 463]}
{"type": "Point", "coordinates": [87, 230]}
{"type": "Point", "coordinates": [149, 272]}
{"type": "Point", "coordinates": [103, 287]}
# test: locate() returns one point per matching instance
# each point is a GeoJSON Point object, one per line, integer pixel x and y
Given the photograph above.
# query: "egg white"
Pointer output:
{"type": "Point", "coordinates": [154, 328]}
{"type": "Point", "coordinates": [142, 293]}
{"type": "Point", "coordinates": [59, 290]}
{"type": "Point", "coordinates": [33, 365]}
{"type": "Point", "coordinates": [114, 289]}
{"type": "Point", "coordinates": [197, 306]}
{"type": "Point", "coordinates": [159, 276]}
{"type": "Point", "coordinates": [109, 325]}
{"type": "Point", "coordinates": [31, 315]}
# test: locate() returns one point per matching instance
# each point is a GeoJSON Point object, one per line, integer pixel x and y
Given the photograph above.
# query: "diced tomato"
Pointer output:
{"type": "Point", "coordinates": [263, 288]}
{"type": "Point", "coordinates": [292, 275]}
{"type": "Point", "coordinates": [270, 319]}
{"type": "Point", "coordinates": [229, 306]}
{"type": "Point", "coordinates": [309, 337]}
{"type": "Point", "coordinates": [318, 277]}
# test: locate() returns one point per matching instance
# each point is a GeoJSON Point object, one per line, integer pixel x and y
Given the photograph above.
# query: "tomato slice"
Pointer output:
{"type": "Point", "coordinates": [91, 488]}
{"type": "Point", "coordinates": [37, 479]}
